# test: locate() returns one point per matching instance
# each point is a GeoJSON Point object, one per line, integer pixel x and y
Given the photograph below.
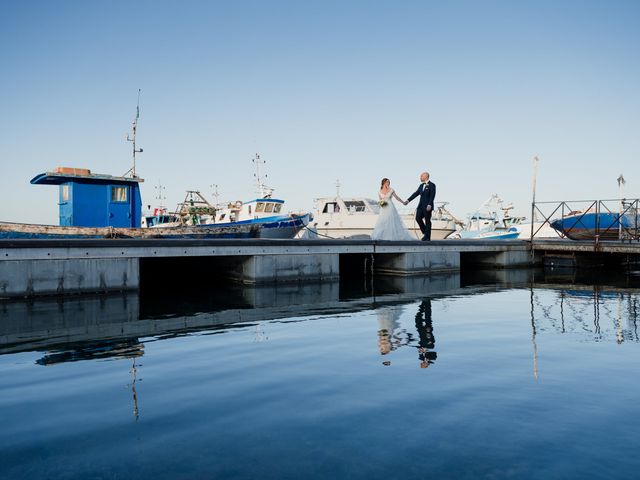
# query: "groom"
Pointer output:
{"type": "Point", "coordinates": [427, 193]}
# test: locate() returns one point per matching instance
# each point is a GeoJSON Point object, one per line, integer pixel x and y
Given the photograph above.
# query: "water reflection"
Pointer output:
{"type": "Point", "coordinates": [389, 338]}
{"type": "Point", "coordinates": [79, 398]}
{"type": "Point", "coordinates": [116, 327]}
{"type": "Point", "coordinates": [73, 352]}
{"type": "Point", "coordinates": [424, 325]}
{"type": "Point", "coordinates": [596, 313]}
{"type": "Point", "coordinates": [392, 336]}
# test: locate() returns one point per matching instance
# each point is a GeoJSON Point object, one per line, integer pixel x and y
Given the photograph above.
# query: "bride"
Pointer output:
{"type": "Point", "coordinates": [389, 225]}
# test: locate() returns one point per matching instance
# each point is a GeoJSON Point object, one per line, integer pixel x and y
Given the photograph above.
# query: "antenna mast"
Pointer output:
{"type": "Point", "coordinates": [263, 190]}
{"type": "Point", "coordinates": [214, 193]}
{"type": "Point", "coordinates": [160, 196]}
{"type": "Point", "coordinates": [134, 130]}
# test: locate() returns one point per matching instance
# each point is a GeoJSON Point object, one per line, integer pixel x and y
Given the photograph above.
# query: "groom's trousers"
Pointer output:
{"type": "Point", "coordinates": [423, 217]}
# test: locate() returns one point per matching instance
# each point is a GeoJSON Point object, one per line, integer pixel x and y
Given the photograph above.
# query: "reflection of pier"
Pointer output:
{"type": "Point", "coordinates": [94, 327]}
{"type": "Point", "coordinates": [598, 312]}
{"type": "Point", "coordinates": [111, 326]}
{"type": "Point", "coordinates": [81, 323]}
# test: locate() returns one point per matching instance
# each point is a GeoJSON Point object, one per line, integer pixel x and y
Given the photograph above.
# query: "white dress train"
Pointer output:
{"type": "Point", "coordinates": [389, 225]}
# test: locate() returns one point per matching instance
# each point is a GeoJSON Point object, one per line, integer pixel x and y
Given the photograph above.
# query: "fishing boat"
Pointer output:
{"type": "Point", "coordinates": [35, 231]}
{"type": "Point", "coordinates": [265, 212]}
{"type": "Point", "coordinates": [356, 217]}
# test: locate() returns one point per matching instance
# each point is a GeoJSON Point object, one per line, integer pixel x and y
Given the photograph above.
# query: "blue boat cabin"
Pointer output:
{"type": "Point", "coordinates": [95, 200]}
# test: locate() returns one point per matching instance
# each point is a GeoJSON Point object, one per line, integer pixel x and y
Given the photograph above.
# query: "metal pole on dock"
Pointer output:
{"type": "Point", "coordinates": [533, 198]}
{"type": "Point", "coordinates": [621, 182]}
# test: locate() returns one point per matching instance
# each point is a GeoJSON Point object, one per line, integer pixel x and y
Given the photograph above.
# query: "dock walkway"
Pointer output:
{"type": "Point", "coordinates": [59, 267]}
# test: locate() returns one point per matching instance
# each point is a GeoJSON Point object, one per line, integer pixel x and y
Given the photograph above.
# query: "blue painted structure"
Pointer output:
{"type": "Point", "coordinates": [95, 200]}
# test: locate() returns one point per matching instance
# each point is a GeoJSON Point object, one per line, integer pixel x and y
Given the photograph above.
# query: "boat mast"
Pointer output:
{"type": "Point", "coordinates": [214, 193]}
{"type": "Point", "coordinates": [132, 138]}
{"type": "Point", "coordinates": [263, 190]}
{"type": "Point", "coordinates": [160, 195]}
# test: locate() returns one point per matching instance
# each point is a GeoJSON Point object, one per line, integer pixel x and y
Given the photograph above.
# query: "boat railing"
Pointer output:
{"type": "Point", "coordinates": [611, 219]}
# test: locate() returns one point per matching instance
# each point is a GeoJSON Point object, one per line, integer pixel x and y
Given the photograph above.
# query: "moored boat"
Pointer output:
{"type": "Point", "coordinates": [34, 231]}
{"type": "Point", "coordinates": [265, 212]}
{"type": "Point", "coordinates": [491, 221]}
{"type": "Point", "coordinates": [589, 225]}
{"type": "Point", "coordinates": [355, 217]}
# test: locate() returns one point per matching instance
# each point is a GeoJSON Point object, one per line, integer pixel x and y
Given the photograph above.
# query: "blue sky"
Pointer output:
{"type": "Point", "coordinates": [323, 90]}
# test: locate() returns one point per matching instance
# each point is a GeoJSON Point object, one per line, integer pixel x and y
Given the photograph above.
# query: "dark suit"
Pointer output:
{"type": "Point", "coordinates": [427, 194]}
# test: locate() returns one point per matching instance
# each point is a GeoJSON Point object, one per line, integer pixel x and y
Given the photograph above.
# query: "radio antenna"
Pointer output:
{"type": "Point", "coordinates": [132, 138]}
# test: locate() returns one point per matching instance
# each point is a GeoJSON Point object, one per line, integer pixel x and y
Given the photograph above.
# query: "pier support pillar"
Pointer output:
{"type": "Point", "coordinates": [507, 259]}
{"type": "Point", "coordinates": [308, 293]}
{"type": "Point", "coordinates": [416, 263]}
{"type": "Point", "coordinates": [287, 268]}
{"type": "Point", "coordinates": [29, 278]}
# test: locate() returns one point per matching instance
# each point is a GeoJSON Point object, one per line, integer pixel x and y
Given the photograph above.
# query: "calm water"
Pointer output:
{"type": "Point", "coordinates": [515, 376]}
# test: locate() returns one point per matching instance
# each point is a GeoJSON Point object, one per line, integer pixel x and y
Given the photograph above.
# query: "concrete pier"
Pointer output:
{"type": "Point", "coordinates": [30, 277]}
{"type": "Point", "coordinates": [31, 268]}
{"type": "Point", "coordinates": [416, 263]}
{"type": "Point", "coordinates": [287, 268]}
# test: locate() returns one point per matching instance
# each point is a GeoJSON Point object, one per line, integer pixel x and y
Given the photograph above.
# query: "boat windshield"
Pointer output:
{"type": "Point", "coordinates": [260, 207]}
{"type": "Point", "coordinates": [277, 207]}
{"type": "Point", "coordinates": [331, 207]}
{"type": "Point", "coordinates": [373, 206]}
{"type": "Point", "coordinates": [355, 205]}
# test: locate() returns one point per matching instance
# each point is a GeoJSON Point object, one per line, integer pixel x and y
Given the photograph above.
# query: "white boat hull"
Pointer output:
{"type": "Point", "coordinates": [356, 217]}
{"type": "Point", "coordinates": [439, 229]}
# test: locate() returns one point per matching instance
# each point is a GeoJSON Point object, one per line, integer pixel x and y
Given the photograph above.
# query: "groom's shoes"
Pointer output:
{"type": "Point", "coordinates": [425, 239]}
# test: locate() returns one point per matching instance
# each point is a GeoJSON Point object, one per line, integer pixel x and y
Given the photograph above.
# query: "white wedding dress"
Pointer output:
{"type": "Point", "coordinates": [389, 225]}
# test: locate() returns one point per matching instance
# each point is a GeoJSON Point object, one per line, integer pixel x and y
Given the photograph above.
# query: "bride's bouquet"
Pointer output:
{"type": "Point", "coordinates": [382, 203]}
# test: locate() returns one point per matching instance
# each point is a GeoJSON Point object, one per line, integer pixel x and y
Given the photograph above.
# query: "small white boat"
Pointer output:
{"type": "Point", "coordinates": [355, 217]}
{"type": "Point", "coordinates": [491, 221]}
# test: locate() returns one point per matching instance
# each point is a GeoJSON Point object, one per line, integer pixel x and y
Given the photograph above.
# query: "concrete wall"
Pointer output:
{"type": "Point", "coordinates": [505, 259]}
{"type": "Point", "coordinates": [26, 278]}
{"type": "Point", "coordinates": [416, 263]}
{"type": "Point", "coordinates": [287, 268]}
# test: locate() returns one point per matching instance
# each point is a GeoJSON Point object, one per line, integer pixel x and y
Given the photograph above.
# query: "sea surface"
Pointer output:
{"type": "Point", "coordinates": [517, 374]}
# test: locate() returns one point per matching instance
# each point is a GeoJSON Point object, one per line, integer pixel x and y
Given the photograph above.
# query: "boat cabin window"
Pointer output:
{"type": "Point", "coordinates": [260, 207]}
{"type": "Point", "coordinates": [277, 207]}
{"type": "Point", "coordinates": [355, 205]}
{"type": "Point", "coordinates": [249, 209]}
{"type": "Point", "coordinates": [118, 194]}
{"type": "Point", "coordinates": [268, 208]}
{"type": "Point", "coordinates": [64, 193]}
{"type": "Point", "coordinates": [331, 207]}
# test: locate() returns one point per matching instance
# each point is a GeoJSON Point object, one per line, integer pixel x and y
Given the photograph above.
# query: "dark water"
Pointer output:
{"type": "Point", "coordinates": [508, 375]}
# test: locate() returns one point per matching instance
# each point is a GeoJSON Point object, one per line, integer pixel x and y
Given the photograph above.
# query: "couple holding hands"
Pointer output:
{"type": "Point", "coordinates": [389, 225]}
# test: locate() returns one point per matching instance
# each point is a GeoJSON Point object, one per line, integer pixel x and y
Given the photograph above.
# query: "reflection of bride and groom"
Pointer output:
{"type": "Point", "coordinates": [389, 225]}
{"type": "Point", "coordinates": [392, 337]}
